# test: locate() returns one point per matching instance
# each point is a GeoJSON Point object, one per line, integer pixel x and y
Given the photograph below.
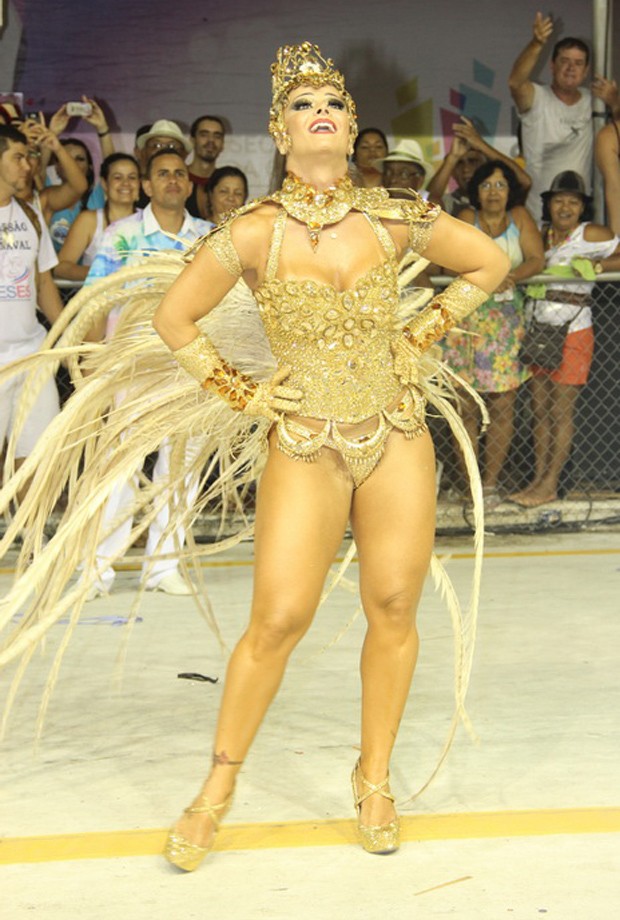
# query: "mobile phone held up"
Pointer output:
{"type": "Point", "coordinates": [80, 109]}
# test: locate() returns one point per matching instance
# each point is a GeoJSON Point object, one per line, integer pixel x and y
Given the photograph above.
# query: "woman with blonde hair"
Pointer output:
{"type": "Point", "coordinates": [337, 414]}
{"type": "Point", "coordinates": [321, 258]}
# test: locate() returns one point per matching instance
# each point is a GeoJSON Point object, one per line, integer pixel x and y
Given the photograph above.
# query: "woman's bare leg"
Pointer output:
{"type": "Point", "coordinates": [393, 518]}
{"type": "Point", "coordinates": [301, 516]}
{"type": "Point", "coordinates": [541, 396]}
{"type": "Point", "coordinates": [501, 408]}
{"type": "Point", "coordinates": [560, 430]}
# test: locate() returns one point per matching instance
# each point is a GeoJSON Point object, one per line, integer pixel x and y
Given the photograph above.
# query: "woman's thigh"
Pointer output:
{"type": "Point", "coordinates": [302, 512]}
{"type": "Point", "coordinates": [393, 519]}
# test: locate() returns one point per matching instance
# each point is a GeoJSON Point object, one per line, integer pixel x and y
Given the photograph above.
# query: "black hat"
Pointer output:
{"type": "Point", "coordinates": [568, 181]}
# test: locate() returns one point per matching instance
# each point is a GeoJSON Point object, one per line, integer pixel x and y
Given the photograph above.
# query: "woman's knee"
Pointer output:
{"type": "Point", "coordinates": [393, 614]}
{"type": "Point", "coordinates": [277, 631]}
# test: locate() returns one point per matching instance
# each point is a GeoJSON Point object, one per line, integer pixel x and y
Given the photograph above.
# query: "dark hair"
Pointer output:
{"type": "Point", "coordinates": [166, 151]}
{"type": "Point", "coordinates": [363, 133]}
{"type": "Point", "coordinates": [223, 173]}
{"type": "Point", "coordinates": [196, 122]}
{"type": "Point", "coordinates": [483, 172]}
{"type": "Point", "coordinates": [10, 133]}
{"type": "Point", "coordinates": [104, 171]}
{"type": "Point", "coordinates": [568, 42]}
{"type": "Point", "coordinates": [90, 173]}
{"type": "Point", "coordinates": [143, 129]}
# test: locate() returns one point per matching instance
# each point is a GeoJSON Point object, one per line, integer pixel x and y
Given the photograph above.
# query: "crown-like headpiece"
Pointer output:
{"type": "Point", "coordinates": [295, 65]}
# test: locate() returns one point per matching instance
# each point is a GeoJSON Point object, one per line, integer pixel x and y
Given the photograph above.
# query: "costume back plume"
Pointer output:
{"type": "Point", "coordinates": [130, 396]}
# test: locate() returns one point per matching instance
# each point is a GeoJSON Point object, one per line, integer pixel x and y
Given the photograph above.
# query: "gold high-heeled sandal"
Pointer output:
{"type": "Point", "coordinates": [186, 855]}
{"type": "Point", "coordinates": [375, 838]}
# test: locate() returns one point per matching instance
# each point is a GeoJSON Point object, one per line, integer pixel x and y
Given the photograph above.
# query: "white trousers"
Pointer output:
{"type": "Point", "coordinates": [112, 546]}
{"type": "Point", "coordinates": [43, 411]}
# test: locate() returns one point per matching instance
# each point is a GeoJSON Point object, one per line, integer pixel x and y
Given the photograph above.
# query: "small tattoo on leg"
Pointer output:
{"type": "Point", "coordinates": [222, 759]}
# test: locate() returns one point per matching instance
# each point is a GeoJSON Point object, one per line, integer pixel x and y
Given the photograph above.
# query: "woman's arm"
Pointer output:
{"type": "Point", "coordinates": [439, 183]}
{"type": "Point", "coordinates": [78, 239]}
{"type": "Point", "coordinates": [100, 123]}
{"type": "Point", "coordinates": [470, 136]}
{"type": "Point", "coordinates": [197, 291]}
{"type": "Point", "coordinates": [481, 266]}
{"type": "Point", "coordinates": [467, 251]}
{"type": "Point", "coordinates": [531, 244]}
{"type": "Point", "coordinates": [56, 197]}
{"type": "Point", "coordinates": [608, 161]}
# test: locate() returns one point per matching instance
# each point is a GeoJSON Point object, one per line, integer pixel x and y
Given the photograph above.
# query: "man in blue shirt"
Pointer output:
{"type": "Point", "coordinates": [163, 224]}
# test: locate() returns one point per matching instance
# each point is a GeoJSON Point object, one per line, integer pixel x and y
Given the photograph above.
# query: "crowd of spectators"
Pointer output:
{"type": "Point", "coordinates": [170, 190]}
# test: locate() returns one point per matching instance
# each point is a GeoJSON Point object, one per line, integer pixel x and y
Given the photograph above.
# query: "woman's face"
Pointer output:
{"type": "Point", "coordinates": [493, 193]}
{"type": "Point", "coordinates": [317, 120]}
{"type": "Point", "coordinates": [370, 148]}
{"type": "Point", "coordinates": [123, 183]}
{"type": "Point", "coordinates": [565, 209]}
{"type": "Point", "coordinates": [229, 193]}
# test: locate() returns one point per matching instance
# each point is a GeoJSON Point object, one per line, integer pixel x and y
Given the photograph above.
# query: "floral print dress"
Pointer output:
{"type": "Point", "coordinates": [484, 350]}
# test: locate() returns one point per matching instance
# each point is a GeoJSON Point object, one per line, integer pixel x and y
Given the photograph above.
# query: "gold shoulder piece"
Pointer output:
{"type": "Point", "coordinates": [221, 245]}
{"type": "Point", "coordinates": [414, 210]}
{"type": "Point", "coordinates": [220, 242]}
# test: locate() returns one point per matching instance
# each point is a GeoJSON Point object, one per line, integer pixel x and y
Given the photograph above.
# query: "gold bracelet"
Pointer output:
{"type": "Point", "coordinates": [443, 312]}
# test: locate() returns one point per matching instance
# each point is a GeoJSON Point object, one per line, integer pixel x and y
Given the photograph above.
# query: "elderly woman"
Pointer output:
{"type": "Point", "coordinates": [485, 349]}
{"type": "Point", "coordinates": [227, 189]}
{"type": "Point", "coordinates": [580, 248]}
{"type": "Point", "coordinates": [321, 257]}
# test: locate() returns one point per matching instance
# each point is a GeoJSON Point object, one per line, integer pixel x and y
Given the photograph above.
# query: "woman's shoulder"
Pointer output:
{"type": "Point", "coordinates": [597, 233]}
{"type": "Point", "coordinates": [521, 217]}
{"type": "Point", "coordinates": [253, 220]}
{"type": "Point", "coordinates": [467, 215]}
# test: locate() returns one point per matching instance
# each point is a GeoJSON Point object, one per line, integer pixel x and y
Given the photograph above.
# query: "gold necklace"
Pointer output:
{"type": "Point", "coordinates": [313, 207]}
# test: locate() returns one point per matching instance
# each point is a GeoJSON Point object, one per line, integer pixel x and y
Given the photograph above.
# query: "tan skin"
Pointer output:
{"type": "Point", "coordinates": [303, 508]}
{"type": "Point", "coordinates": [168, 186]}
{"type": "Point", "coordinates": [52, 198]}
{"type": "Point", "coordinates": [607, 152]}
{"type": "Point", "coordinates": [568, 71]}
{"type": "Point", "coordinates": [370, 149]}
{"type": "Point", "coordinates": [553, 404]}
{"type": "Point", "coordinates": [208, 144]}
{"type": "Point", "coordinates": [493, 219]}
{"type": "Point", "coordinates": [229, 193]}
{"type": "Point", "coordinates": [122, 188]}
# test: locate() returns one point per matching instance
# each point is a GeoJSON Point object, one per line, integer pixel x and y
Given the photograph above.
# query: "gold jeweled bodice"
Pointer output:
{"type": "Point", "coordinates": [338, 343]}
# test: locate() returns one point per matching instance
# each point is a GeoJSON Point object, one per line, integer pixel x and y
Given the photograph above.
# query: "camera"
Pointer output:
{"type": "Point", "coordinates": [81, 109]}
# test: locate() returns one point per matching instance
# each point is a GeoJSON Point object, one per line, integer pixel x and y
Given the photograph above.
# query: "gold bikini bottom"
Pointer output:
{"type": "Point", "coordinates": [360, 445]}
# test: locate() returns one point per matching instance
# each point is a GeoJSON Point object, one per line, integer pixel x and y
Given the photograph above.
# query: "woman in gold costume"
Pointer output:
{"type": "Point", "coordinates": [321, 258]}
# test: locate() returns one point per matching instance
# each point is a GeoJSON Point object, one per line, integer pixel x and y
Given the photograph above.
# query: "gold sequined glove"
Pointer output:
{"type": "Point", "coordinates": [406, 357]}
{"type": "Point", "coordinates": [432, 323]}
{"type": "Point", "coordinates": [202, 360]}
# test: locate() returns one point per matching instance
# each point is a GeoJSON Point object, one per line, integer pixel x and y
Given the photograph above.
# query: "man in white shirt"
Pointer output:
{"type": "Point", "coordinates": [556, 120]}
{"type": "Point", "coordinates": [26, 259]}
{"type": "Point", "coordinates": [164, 224]}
